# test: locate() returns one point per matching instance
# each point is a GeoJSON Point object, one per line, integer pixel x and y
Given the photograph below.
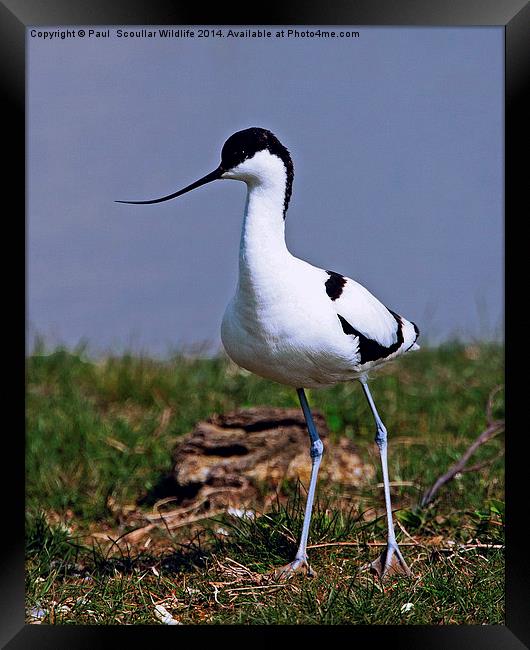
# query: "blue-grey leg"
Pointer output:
{"type": "Point", "coordinates": [391, 560]}
{"type": "Point", "coordinates": [300, 562]}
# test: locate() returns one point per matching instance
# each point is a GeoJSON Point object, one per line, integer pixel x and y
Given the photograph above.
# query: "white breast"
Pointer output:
{"type": "Point", "coordinates": [285, 329]}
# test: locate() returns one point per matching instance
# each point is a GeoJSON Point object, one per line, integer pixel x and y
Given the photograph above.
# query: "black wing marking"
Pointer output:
{"type": "Point", "coordinates": [334, 284]}
{"type": "Point", "coordinates": [370, 350]}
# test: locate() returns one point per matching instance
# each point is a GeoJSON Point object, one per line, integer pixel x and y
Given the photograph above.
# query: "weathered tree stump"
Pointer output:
{"type": "Point", "coordinates": [235, 458]}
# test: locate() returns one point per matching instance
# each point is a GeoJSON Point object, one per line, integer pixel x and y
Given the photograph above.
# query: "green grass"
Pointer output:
{"type": "Point", "coordinates": [99, 440]}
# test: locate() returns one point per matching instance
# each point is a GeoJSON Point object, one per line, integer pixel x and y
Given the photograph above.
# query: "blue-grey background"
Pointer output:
{"type": "Point", "coordinates": [397, 141]}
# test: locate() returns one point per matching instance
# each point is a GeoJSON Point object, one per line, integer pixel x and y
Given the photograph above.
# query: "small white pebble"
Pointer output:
{"type": "Point", "coordinates": [36, 614]}
{"type": "Point", "coordinates": [238, 512]}
{"type": "Point", "coordinates": [164, 616]}
{"type": "Point", "coordinates": [222, 531]}
{"type": "Point", "coordinates": [407, 607]}
{"type": "Point", "coordinates": [191, 591]}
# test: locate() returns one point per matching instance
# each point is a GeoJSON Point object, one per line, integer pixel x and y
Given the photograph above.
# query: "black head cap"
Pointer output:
{"type": "Point", "coordinates": [244, 144]}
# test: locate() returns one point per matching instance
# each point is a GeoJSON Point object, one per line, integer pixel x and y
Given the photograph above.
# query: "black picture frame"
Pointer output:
{"type": "Point", "coordinates": [514, 15]}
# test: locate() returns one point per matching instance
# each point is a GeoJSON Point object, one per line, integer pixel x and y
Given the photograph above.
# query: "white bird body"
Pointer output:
{"type": "Point", "coordinates": [294, 323]}
{"type": "Point", "coordinates": [282, 323]}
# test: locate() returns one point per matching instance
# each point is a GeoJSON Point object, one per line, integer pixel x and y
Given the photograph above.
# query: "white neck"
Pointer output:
{"type": "Point", "coordinates": [262, 248]}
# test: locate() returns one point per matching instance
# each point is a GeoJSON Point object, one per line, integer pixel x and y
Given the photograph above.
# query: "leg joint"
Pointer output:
{"type": "Point", "coordinates": [317, 449]}
{"type": "Point", "coordinates": [381, 435]}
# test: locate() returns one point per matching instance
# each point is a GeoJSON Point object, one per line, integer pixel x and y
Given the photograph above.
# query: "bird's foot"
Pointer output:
{"type": "Point", "coordinates": [390, 563]}
{"type": "Point", "coordinates": [298, 565]}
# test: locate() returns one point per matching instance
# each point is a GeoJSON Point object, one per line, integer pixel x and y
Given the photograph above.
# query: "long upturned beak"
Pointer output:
{"type": "Point", "coordinates": [212, 176]}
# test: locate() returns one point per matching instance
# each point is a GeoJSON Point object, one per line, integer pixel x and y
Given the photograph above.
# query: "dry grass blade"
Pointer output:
{"type": "Point", "coordinates": [360, 544]}
{"type": "Point", "coordinates": [112, 442]}
{"type": "Point", "coordinates": [164, 421]}
{"type": "Point", "coordinates": [171, 514]}
{"type": "Point", "coordinates": [237, 573]}
{"type": "Point", "coordinates": [191, 520]}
